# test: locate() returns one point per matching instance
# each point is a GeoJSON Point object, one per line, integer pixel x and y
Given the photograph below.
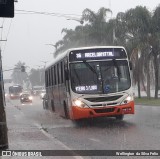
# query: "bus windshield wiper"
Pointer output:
{"type": "Point", "coordinates": [91, 68]}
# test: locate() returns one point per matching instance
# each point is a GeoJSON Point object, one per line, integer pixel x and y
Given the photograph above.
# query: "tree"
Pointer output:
{"type": "Point", "coordinates": [18, 76]}
{"type": "Point", "coordinates": [93, 33]}
{"type": "Point", "coordinates": [155, 44]}
{"type": "Point", "coordinates": [97, 23]}
{"type": "Point", "coordinates": [37, 76]}
{"type": "Point", "coordinates": [138, 24]}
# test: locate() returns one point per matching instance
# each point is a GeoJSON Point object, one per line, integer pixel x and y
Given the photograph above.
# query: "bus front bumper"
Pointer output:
{"type": "Point", "coordinates": [110, 111]}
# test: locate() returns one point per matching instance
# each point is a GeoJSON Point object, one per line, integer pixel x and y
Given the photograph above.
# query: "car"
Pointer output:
{"type": "Point", "coordinates": [26, 98]}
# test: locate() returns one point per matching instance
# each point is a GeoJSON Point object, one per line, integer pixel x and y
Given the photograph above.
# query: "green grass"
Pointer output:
{"type": "Point", "coordinates": [148, 102]}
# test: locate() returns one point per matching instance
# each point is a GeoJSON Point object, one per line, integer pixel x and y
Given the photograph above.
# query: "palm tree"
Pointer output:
{"type": "Point", "coordinates": [97, 23]}
{"type": "Point", "coordinates": [138, 24]}
{"type": "Point", "coordinates": [18, 76]}
{"type": "Point", "coordinates": [155, 43]}
{"type": "Point", "coordinates": [37, 76]}
{"type": "Point", "coordinates": [93, 33]}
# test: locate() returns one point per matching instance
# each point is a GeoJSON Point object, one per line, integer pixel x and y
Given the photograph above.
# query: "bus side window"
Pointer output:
{"type": "Point", "coordinates": [55, 79]}
{"type": "Point", "coordinates": [52, 77]}
{"type": "Point", "coordinates": [62, 77]}
{"type": "Point", "coordinates": [66, 72]}
{"type": "Point", "coordinates": [58, 79]}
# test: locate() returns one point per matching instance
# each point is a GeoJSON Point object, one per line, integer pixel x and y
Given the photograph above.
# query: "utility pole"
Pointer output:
{"type": "Point", "coordinates": [6, 10]}
{"type": "Point", "coordinates": [81, 22]}
{"type": "Point", "coordinates": [3, 124]}
{"type": "Point", "coordinates": [55, 48]}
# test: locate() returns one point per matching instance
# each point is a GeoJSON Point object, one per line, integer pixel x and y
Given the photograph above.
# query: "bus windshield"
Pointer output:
{"type": "Point", "coordinates": [100, 77]}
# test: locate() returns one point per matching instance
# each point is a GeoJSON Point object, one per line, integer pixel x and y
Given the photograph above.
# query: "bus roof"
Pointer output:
{"type": "Point", "coordinates": [63, 54]}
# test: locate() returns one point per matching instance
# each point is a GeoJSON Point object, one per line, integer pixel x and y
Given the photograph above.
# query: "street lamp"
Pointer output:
{"type": "Point", "coordinates": [53, 46]}
{"type": "Point", "coordinates": [78, 20]}
{"type": "Point", "coordinates": [39, 72]}
{"type": "Point", "coordinates": [81, 22]}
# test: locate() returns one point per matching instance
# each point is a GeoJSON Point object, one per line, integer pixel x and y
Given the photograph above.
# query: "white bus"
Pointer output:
{"type": "Point", "coordinates": [90, 82]}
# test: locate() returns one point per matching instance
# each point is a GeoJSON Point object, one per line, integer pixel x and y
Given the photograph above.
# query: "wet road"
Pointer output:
{"type": "Point", "coordinates": [136, 132]}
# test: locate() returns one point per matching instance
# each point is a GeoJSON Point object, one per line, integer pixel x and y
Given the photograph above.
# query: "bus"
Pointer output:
{"type": "Point", "coordinates": [90, 82]}
{"type": "Point", "coordinates": [15, 91]}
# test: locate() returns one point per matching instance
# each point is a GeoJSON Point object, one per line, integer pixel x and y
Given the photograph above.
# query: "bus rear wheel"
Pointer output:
{"type": "Point", "coordinates": [119, 117]}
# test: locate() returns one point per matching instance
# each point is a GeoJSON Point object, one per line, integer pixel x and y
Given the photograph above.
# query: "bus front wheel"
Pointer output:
{"type": "Point", "coordinates": [66, 113]}
{"type": "Point", "coordinates": [119, 117]}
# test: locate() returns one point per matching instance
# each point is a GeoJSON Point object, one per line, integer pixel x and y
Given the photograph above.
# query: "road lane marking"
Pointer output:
{"type": "Point", "coordinates": [96, 140]}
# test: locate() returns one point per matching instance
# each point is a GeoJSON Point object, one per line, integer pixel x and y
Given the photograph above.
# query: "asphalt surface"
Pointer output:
{"type": "Point", "coordinates": [32, 128]}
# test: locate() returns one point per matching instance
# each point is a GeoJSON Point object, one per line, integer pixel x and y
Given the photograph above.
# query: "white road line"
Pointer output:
{"type": "Point", "coordinates": [92, 139]}
{"type": "Point", "coordinates": [59, 142]}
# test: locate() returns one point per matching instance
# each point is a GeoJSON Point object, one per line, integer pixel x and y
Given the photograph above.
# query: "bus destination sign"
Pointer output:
{"type": "Point", "coordinates": [94, 54]}
{"type": "Point", "coordinates": [97, 54]}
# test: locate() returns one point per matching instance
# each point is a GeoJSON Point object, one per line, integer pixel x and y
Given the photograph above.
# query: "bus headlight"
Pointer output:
{"type": "Point", "coordinates": [79, 103]}
{"type": "Point", "coordinates": [127, 100]}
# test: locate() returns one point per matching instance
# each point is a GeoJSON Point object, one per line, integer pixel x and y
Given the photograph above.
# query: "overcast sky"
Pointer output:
{"type": "Point", "coordinates": [28, 34]}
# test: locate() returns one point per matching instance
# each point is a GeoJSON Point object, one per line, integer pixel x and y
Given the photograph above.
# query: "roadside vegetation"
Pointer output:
{"type": "Point", "coordinates": [146, 101]}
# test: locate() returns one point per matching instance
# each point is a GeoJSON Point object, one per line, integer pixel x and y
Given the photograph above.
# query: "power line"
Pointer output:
{"type": "Point", "coordinates": [47, 13]}
{"type": "Point", "coordinates": [7, 33]}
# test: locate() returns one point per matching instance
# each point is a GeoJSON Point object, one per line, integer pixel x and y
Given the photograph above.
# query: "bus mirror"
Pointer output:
{"type": "Point", "coordinates": [66, 75]}
{"type": "Point", "coordinates": [130, 65]}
